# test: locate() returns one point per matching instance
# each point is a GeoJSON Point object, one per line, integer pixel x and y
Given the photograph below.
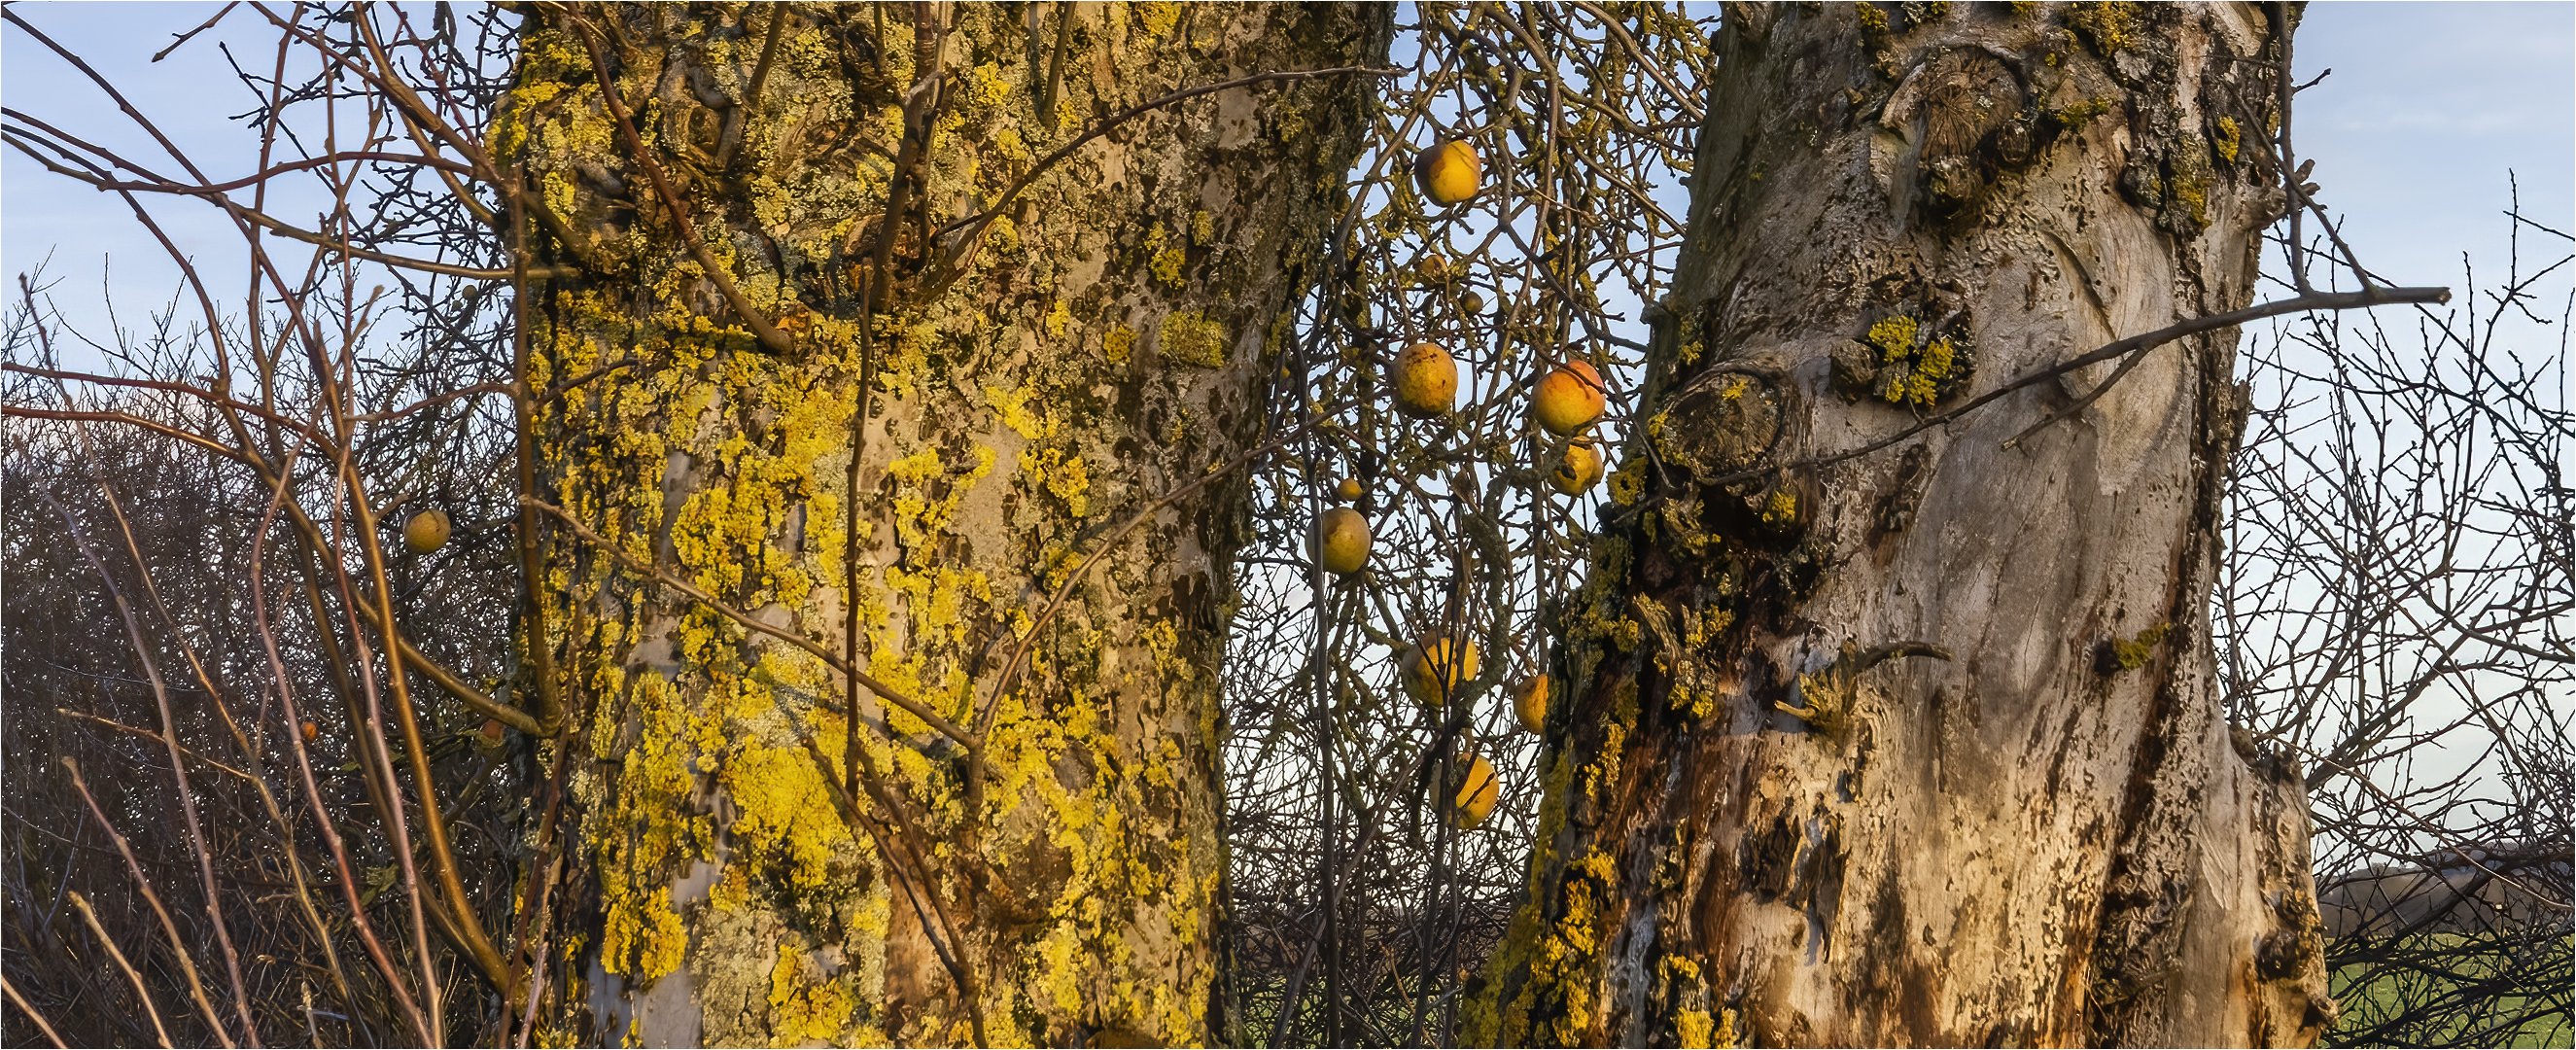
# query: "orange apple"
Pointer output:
{"type": "Point", "coordinates": [1569, 398]}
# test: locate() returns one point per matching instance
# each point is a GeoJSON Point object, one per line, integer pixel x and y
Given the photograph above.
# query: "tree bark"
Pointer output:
{"type": "Point", "coordinates": [1029, 384]}
{"type": "Point", "coordinates": [1775, 811]}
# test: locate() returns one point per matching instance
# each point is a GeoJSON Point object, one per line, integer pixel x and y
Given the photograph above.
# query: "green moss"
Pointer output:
{"type": "Point", "coordinates": [2230, 139]}
{"type": "Point", "coordinates": [2133, 652]}
{"type": "Point", "coordinates": [2076, 116]}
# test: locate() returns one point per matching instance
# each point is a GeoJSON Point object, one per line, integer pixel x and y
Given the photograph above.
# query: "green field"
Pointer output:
{"type": "Point", "coordinates": [2437, 990]}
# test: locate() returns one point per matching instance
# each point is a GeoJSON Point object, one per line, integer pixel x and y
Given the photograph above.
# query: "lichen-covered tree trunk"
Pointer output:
{"type": "Point", "coordinates": [1775, 811]}
{"type": "Point", "coordinates": [1028, 383]}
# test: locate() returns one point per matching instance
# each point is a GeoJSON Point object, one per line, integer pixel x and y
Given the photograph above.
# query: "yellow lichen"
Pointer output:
{"type": "Point", "coordinates": [1193, 339]}
{"type": "Point", "coordinates": [1910, 374]}
{"type": "Point", "coordinates": [804, 1006]}
{"type": "Point", "coordinates": [1893, 336]}
{"type": "Point", "coordinates": [1628, 482]}
{"type": "Point", "coordinates": [1780, 509]}
{"type": "Point", "coordinates": [1062, 474]}
{"type": "Point", "coordinates": [724, 466]}
{"type": "Point", "coordinates": [1158, 17]}
{"type": "Point", "coordinates": [2133, 652]}
{"type": "Point", "coordinates": [1872, 20]}
{"type": "Point", "coordinates": [785, 818]}
{"type": "Point", "coordinates": [2106, 25]}
{"type": "Point", "coordinates": [1164, 260]}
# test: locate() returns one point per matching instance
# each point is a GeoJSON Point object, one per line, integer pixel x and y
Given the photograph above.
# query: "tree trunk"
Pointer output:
{"type": "Point", "coordinates": [1030, 384]}
{"type": "Point", "coordinates": [1775, 811]}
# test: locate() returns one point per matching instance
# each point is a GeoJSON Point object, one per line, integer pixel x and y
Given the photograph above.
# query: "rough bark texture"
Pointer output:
{"type": "Point", "coordinates": [1105, 346]}
{"type": "Point", "coordinates": [2048, 838]}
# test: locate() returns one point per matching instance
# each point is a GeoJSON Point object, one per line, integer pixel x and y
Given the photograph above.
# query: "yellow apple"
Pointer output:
{"type": "Point", "coordinates": [1529, 703]}
{"type": "Point", "coordinates": [1341, 540]}
{"type": "Point", "coordinates": [426, 531]}
{"type": "Point", "coordinates": [1426, 381]}
{"type": "Point", "coordinates": [1437, 668]}
{"type": "Point", "coordinates": [1577, 472]}
{"type": "Point", "coordinates": [1349, 489]}
{"type": "Point", "coordinates": [1448, 173]}
{"type": "Point", "coordinates": [1477, 792]}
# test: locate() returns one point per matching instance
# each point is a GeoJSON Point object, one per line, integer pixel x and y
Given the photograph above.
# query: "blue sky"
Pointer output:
{"type": "Point", "coordinates": [2428, 108]}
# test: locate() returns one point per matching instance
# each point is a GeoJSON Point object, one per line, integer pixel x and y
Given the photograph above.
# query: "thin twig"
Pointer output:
{"type": "Point", "coordinates": [741, 119]}
{"type": "Point", "coordinates": [179, 776]}
{"type": "Point", "coordinates": [2374, 296]}
{"type": "Point", "coordinates": [770, 337]}
{"type": "Point", "coordinates": [169, 928]}
{"type": "Point", "coordinates": [148, 735]}
{"type": "Point", "coordinates": [312, 789]}
{"type": "Point", "coordinates": [33, 1014]}
{"type": "Point", "coordinates": [141, 994]}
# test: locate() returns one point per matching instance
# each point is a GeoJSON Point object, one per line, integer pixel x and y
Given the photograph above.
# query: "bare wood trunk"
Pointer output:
{"type": "Point", "coordinates": [1105, 344]}
{"type": "Point", "coordinates": [2046, 838]}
